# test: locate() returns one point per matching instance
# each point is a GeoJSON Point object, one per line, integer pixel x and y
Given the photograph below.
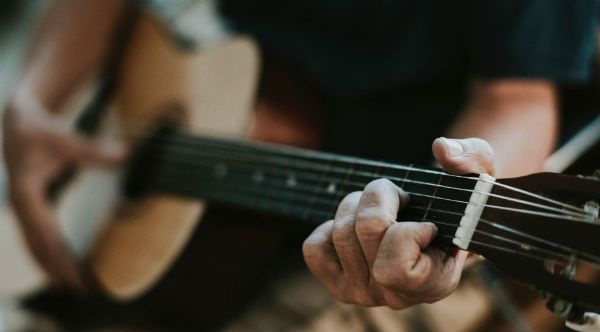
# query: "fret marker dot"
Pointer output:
{"type": "Point", "coordinates": [291, 181]}
{"type": "Point", "coordinates": [331, 188]}
{"type": "Point", "coordinates": [220, 170]}
{"type": "Point", "coordinates": [258, 176]}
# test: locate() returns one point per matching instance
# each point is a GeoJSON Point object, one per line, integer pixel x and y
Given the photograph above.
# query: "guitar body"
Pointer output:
{"type": "Point", "coordinates": [210, 92]}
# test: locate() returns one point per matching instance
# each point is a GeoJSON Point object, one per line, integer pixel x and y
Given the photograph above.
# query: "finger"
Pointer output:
{"type": "Point", "coordinates": [42, 233]}
{"type": "Point", "coordinates": [320, 255]}
{"type": "Point", "coordinates": [377, 210]}
{"type": "Point", "coordinates": [345, 242]}
{"type": "Point", "coordinates": [401, 263]}
{"type": "Point", "coordinates": [85, 152]}
{"type": "Point", "coordinates": [463, 156]}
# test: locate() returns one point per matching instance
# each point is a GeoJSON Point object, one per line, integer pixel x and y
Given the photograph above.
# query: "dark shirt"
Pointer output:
{"type": "Point", "coordinates": [393, 74]}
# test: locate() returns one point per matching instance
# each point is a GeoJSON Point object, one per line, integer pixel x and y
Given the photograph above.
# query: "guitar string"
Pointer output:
{"type": "Point", "coordinates": [287, 151]}
{"type": "Point", "coordinates": [245, 194]}
{"type": "Point", "coordinates": [589, 258]}
{"type": "Point", "coordinates": [338, 170]}
{"type": "Point", "coordinates": [508, 250]}
{"type": "Point", "coordinates": [576, 214]}
{"type": "Point", "coordinates": [493, 224]}
{"type": "Point", "coordinates": [147, 128]}
{"type": "Point", "coordinates": [570, 217]}
{"type": "Point", "coordinates": [501, 227]}
{"type": "Point", "coordinates": [499, 207]}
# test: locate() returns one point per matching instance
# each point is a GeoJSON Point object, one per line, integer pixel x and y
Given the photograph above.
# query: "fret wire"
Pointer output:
{"type": "Point", "coordinates": [316, 191]}
{"type": "Point", "coordinates": [376, 173]}
{"type": "Point", "coordinates": [406, 176]}
{"type": "Point", "coordinates": [287, 181]}
{"type": "Point", "coordinates": [432, 198]}
{"type": "Point", "coordinates": [343, 184]}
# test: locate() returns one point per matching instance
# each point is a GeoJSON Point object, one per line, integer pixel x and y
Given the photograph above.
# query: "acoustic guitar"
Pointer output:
{"type": "Point", "coordinates": [132, 225]}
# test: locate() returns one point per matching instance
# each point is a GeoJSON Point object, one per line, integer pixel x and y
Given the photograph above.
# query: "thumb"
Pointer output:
{"type": "Point", "coordinates": [463, 156]}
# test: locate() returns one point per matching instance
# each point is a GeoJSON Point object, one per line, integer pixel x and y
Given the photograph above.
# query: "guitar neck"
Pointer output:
{"type": "Point", "coordinates": [297, 183]}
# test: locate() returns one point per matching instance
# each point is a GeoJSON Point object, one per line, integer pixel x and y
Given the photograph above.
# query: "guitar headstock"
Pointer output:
{"type": "Point", "coordinates": [543, 229]}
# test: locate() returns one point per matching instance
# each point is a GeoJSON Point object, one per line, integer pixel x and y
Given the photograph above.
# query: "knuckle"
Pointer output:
{"type": "Point", "coordinates": [348, 204]}
{"type": "Point", "coordinates": [379, 185]}
{"type": "Point", "coordinates": [341, 229]}
{"type": "Point", "coordinates": [376, 190]}
{"type": "Point", "coordinates": [373, 221]}
{"type": "Point", "coordinates": [351, 199]}
{"type": "Point", "coordinates": [344, 223]}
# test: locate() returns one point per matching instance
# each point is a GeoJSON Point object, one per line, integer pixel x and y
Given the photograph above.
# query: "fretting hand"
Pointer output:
{"type": "Point", "coordinates": [364, 256]}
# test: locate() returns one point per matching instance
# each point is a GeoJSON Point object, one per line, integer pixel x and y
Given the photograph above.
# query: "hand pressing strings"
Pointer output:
{"type": "Point", "coordinates": [364, 256]}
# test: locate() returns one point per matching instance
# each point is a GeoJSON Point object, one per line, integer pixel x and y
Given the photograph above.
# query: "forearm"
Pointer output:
{"type": "Point", "coordinates": [73, 38]}
{"type": "Point", "coordinates": [517, 118]}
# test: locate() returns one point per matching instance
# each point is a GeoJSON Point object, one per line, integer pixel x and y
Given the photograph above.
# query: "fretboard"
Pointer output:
{"type": "Point", "coordinates": [301, 184]}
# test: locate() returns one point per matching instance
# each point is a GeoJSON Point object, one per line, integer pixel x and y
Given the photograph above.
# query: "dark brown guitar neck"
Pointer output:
{"type": "Point", "coordinates": [512, 221]}
{"type": "Point", "coordinates": [301, 184]}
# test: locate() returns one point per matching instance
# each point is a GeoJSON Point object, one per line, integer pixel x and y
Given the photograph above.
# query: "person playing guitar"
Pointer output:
{"type": "Point", "coordinates": [384, 81]}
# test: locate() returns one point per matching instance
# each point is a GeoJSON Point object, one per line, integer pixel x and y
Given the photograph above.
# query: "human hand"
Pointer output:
{"type": "Point", "coordinates": [364, 256]}
{"type": "Point", "coordinates": [36, 153]}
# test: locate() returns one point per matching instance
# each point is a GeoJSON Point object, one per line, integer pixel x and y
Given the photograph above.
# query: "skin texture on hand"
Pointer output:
{"type": "Point", "coordinates": [36, 153]}
{"type": "Point", "coordinates": [364, 256]}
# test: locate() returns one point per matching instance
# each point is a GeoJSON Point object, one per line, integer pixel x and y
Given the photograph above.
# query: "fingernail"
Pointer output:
{"type": "Point", "coordinates": [454, 148]}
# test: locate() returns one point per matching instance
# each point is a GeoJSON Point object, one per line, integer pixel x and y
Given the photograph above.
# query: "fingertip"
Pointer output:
{"type": "Point", "coordinates": [438, 148]}
{"type": "Point", "coordinates": [434, 228]}
{"type": "Point", "coordinates": [447, 148]}
{"type": "Point", "coordinates": [463, 156]}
